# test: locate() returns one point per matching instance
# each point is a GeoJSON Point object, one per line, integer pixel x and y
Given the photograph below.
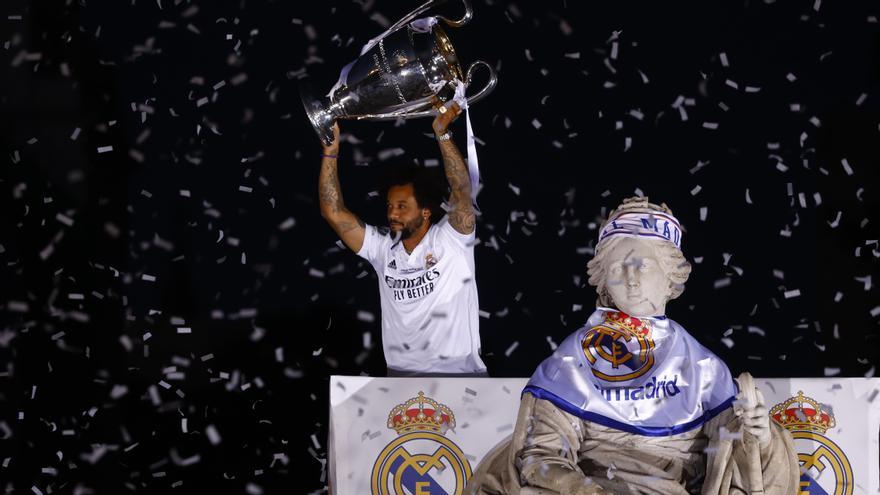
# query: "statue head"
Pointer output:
{"type": "Point", "coordinates": [639, 266]}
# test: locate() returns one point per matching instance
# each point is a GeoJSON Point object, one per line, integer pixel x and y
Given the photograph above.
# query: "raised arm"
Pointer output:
{"type": "Point", "coordinates": [462, 216]}
{"type": "Point", "coordinates": [347, 225]}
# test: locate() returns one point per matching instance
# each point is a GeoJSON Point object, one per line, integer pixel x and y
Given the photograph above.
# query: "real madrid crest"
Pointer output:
{"type": "Point", "coordinates": [620, 348]}
{"type": "Point", "coordinates": [825, 468]}
{"type": "Point", "coordinates": [421, 460]}
{"type": "Point", "coordinates": [430, 261]}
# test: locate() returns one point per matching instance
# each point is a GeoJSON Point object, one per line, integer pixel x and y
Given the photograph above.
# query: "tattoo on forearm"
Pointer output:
{"type": "Point", "coordinates": [341, 219]}
{"type": "Point", "coordinates": [463, 221]}
{"type": "Point", "coordinates": [462, 216]}
{"type": "Point", "coordinates": [329, 190]}
{"type": "Point", "coordinates": [344, 227]}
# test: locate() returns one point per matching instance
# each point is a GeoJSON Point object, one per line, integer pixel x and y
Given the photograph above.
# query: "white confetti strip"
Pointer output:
{"type": "Point", "coordinates": [287, 224]}
{"type": "Point", "coordinates": [213, 435]}
{"type": "Point", "coordinates": [834, 223]}
{"type": "Point", "coordinates": [66, 220]}
{"type": "Point", "coordinates": [512, 348]}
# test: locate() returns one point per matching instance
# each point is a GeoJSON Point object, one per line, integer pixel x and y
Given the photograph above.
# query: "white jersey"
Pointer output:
{"type": "Point", "coordinates": [430, 312]}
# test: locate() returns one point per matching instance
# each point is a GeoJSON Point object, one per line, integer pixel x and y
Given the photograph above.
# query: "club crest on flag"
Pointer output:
{"type": "Point", "coordinates": [620, 348]}
{"type": "Point", "coordinates": [421, 460]}
{"type": "Point", "coordinates": [825, 469]}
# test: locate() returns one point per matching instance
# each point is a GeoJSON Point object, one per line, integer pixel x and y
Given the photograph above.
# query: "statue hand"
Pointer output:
{"type": "Point", "coordinates": [756, 420]}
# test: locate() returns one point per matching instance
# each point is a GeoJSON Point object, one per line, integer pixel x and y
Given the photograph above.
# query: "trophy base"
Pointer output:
{"type": "Point", "coordinates": [318, 111]}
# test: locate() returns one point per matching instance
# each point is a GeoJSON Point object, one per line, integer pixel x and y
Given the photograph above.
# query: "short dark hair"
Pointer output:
{"type": "Point", "coordinates": [429, 187]}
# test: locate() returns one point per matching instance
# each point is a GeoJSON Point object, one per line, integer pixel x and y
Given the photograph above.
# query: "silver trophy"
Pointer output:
{"type": "Point", "coordinates": [403, 76]}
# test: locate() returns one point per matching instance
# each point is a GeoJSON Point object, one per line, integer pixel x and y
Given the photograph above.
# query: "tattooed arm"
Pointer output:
{"type": "Point", "coordinates": [462, 216]}
{"type": "Point", "coordinates": [347, 225]}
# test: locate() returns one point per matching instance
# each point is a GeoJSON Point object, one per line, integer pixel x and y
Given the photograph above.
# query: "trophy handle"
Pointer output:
{"type": "Point", "coordinates": [493, 81]}
{"type": "Point", "coordinates": [468, 15]}
{"type": "Point", "coordinates": [466, 18]}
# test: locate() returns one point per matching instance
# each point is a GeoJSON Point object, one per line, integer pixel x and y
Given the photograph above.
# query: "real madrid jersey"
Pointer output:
{"type": "Point", "coordinates": [430, 311]}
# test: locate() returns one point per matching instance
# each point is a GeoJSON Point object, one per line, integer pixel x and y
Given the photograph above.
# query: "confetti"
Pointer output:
{"type": "Point", "coordinates": [510, 349]}
{"type": "Point", "coordinates": [179, 192]}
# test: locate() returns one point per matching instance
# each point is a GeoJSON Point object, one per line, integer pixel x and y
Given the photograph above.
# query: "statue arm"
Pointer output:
{"type": "Point", "coordinates": [549, 455]}
{"type": "Point", "coordinates": [730, 468]}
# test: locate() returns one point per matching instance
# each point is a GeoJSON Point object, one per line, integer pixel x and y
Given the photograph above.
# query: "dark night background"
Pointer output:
{"type": "Point", "coordinates": [756, 121]}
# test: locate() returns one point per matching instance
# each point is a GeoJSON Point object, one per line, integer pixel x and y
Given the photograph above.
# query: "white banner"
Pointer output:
{"type": "Point", "coordinates": [420, 436]}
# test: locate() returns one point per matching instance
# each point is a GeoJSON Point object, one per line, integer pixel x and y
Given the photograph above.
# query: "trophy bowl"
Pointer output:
{"type": "Point", "coordinates": [403, 75]}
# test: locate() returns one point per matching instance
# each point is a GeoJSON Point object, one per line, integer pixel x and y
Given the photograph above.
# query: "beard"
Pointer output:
{"type": "Point", "coordinates": [411, 227]}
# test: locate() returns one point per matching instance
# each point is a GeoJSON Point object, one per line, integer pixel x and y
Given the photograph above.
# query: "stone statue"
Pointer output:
{"type": "Point", "coordinates": [631, 403]}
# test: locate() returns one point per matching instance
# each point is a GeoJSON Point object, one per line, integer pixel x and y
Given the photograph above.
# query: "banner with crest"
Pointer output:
{"type": "Point", "coordinates": [420, 436]}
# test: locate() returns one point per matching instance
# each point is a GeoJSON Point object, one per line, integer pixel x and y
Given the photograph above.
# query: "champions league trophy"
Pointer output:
{"type": "Point", "coordinates": [403, 73]}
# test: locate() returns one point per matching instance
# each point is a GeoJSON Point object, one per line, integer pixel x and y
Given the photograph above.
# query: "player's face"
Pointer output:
{"type": "Point", "coordinates": [404, 214]}
{"type": "Point", "coordinates": [635, 280]}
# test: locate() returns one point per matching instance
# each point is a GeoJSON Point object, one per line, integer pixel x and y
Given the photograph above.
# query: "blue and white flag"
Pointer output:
{"type": "Point", "coordinates": [645, 376]}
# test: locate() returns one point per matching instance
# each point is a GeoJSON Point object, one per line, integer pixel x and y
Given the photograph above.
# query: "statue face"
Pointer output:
{"type": "Point", "coordinates": [634, 278]}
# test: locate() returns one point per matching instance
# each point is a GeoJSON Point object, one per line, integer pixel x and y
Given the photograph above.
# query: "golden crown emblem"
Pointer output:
{"type": "Point", "coordinates": [803, 413]}
{"type": "Point", "coordinates": [421, 414]}
{"type": "Point", "coordinates": [630, 324]}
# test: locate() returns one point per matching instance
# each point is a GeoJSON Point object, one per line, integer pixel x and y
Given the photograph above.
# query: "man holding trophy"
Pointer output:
{"type": "Point", "coordinates": [427, 286]}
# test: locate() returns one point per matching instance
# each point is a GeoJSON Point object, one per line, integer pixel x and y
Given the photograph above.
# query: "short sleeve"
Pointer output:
{"type": "Point", "coordinates": [448, 232]}
{"type": "Point", "coordinates": [374, 244]}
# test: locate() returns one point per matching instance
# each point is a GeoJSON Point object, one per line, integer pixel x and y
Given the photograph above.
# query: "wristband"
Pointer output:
{"type": "Point", "coordinates": [325, 155]}
{"type": "Point", "coordinates": [446, 136]}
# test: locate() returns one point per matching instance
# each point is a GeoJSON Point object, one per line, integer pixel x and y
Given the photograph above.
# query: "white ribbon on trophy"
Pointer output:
{"type": "Point", "coordinates": [473, 161]}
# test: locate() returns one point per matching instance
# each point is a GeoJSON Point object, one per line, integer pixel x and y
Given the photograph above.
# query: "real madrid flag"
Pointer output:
{"type": "Point", "coordinates": [646, 376]}
{"type": "Point", "coordinates": [415, 436]}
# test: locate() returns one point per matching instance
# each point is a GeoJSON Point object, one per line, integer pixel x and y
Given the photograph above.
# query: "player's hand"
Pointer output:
{"type": "Point", "coordinates": [447, 113]}
{"type": "Point", "coordinates": [756, 421]}
{"type": "Point", "coordinates": [333, 148]}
